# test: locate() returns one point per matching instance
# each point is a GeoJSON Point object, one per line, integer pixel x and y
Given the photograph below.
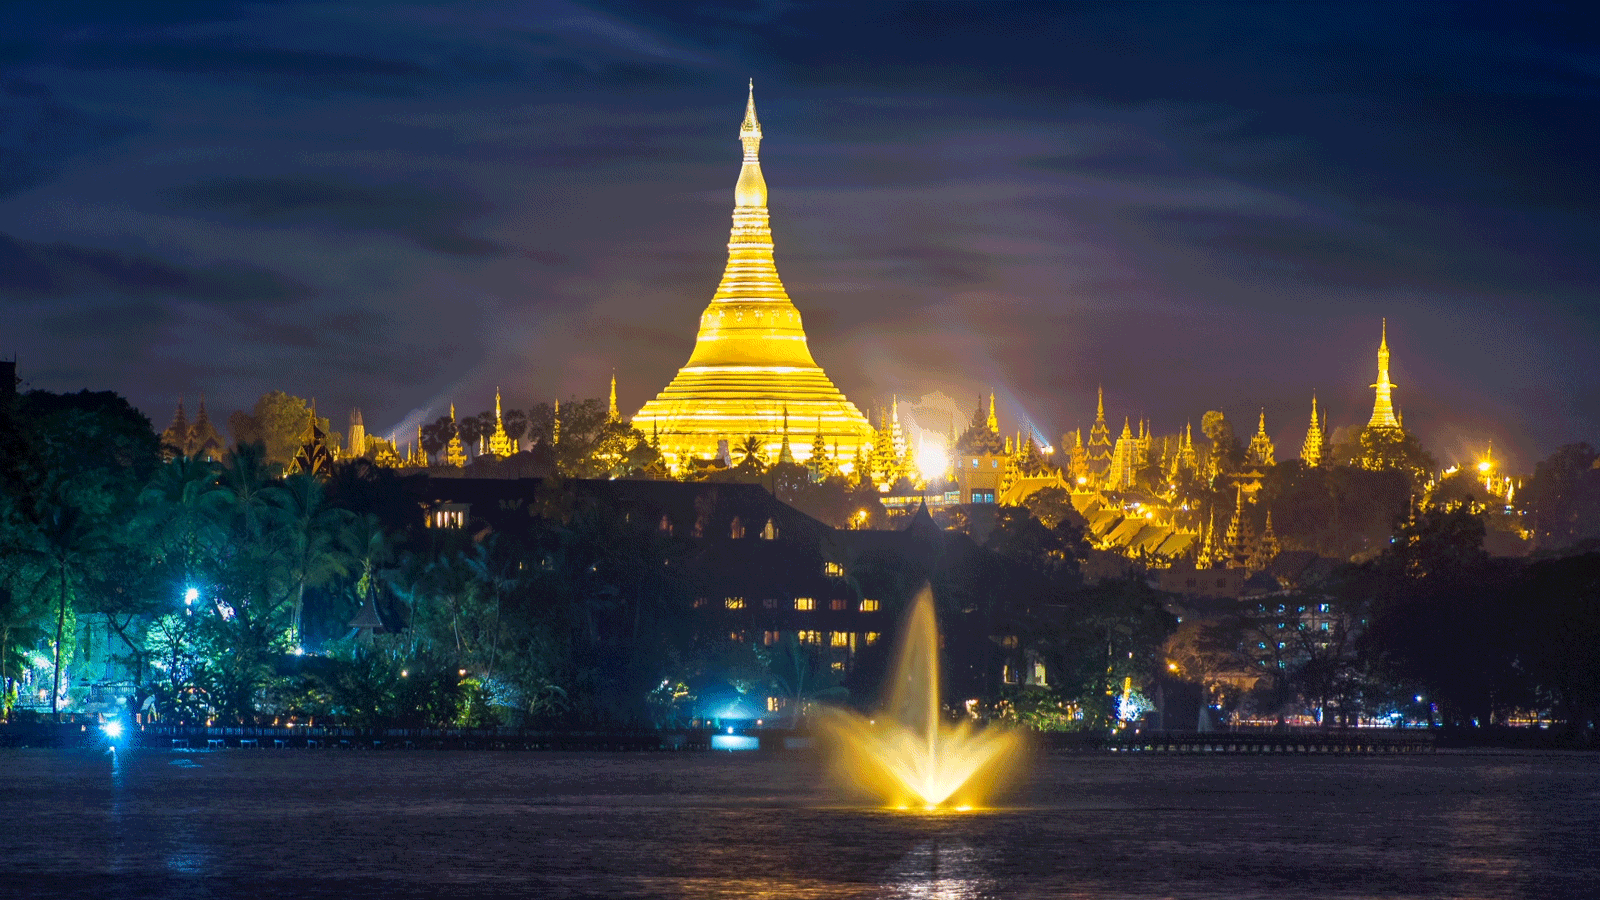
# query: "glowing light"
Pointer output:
{"type": "Point", "coordinates": [914, 757]}
{"type": "Point", "coordinates": [190, 595]}
{"type": "Point", "coordinates": [113, 729]}
{"type": "Point", "coordinates": [1484, 467]}
{"type": "Point", "coordinates": [932, 460]}
{"type": "Point", "coordinates": [751, 371]}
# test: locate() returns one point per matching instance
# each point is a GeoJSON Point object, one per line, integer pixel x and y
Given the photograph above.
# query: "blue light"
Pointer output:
{"type": "Point", "coordinates": [734, 742]}
{"type": "Point", "coordinates": [113, 729]}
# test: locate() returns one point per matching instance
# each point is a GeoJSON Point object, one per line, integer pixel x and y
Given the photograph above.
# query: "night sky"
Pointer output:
{"type": "Point", "coordinates": [1200, 206]}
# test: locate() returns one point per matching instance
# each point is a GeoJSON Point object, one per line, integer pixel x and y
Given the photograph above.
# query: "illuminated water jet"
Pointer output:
{"type": "Point", "coordinates": [909, 755]}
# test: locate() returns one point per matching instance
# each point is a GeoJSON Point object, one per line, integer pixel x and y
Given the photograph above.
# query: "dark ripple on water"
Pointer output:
{"type": "Point", "coordinates": [274, 823]}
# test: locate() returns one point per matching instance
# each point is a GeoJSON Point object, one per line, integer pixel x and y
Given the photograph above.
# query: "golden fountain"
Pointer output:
{"type": "Point", "coordinates": [909, 755]}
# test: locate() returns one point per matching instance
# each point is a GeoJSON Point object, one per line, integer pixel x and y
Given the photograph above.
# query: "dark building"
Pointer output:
{"type": "Point", "coordinates": [760, 571]}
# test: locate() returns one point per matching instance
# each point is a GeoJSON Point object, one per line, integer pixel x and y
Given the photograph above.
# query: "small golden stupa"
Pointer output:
{"type": "Point", "coordinates": [751, 372]}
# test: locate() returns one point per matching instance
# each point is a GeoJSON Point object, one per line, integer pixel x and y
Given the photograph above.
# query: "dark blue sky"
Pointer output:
{"type": "Point", "coordinates": [1201, 206]}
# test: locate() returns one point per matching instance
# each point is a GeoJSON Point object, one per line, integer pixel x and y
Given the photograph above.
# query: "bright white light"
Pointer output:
{"type": "Point", "coordinates": [113, 729]}
{"type": "Point", "coordinates": [190, 596]}
{"type": "Point", "coordinates": [932, 460]}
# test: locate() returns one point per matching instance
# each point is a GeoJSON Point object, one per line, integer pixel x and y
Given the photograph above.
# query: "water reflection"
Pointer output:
{"type": "Point", "coordinates": [935, 870]}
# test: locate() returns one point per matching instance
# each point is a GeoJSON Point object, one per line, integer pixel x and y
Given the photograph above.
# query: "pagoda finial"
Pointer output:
{"type": "Point", "coordinates": [993, 421]}
{"type": "Point", "coordinates": [1100, 405]}
{"type": "Point", "coordinates": [1383, 411]}
{"type": "Point", "coordinates": [750, 129]}
{"type": "Point", "coordinates": [613, 413]}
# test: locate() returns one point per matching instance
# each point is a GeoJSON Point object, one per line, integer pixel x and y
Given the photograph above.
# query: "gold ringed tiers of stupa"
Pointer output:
{"type": "Point", "coordinates": [751, 372]}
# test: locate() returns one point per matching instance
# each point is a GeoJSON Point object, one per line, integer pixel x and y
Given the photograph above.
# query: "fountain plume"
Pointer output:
{"type": "Point", "coordinates": [909, 755]}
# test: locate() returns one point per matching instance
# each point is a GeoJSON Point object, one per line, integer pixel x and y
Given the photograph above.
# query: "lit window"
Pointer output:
{"type": "Point", "coordinates": [701, 602]}
{"type": "Point", "coordinates": [805, 604]}
{"type": "Point", "coordinates": [734, 603]}
{"type": "Point", "coordinates": [770, 532]}
{"type": "Point", "coordinates": [841, 639]}
{"type": "Point", "coordinates": [869, 606]}
{"type": "Point", "coordinates": [737, 636]}
{"type": "Point", "coordinates": [1325, 626]}
{"type": "Point", "coordinates": [810, 637]}
{"type": "Point", "coordinates": [769, 638]}
{"type": "Point", "coordinates": [837, 604]}
{"type": "Point", "coordinates": [833, 569]}
{"type": "Point", "coordinates": [974, 462]}
{"type": "Point", "coordinates": [838, 665]}
{"type": "Point", "coordinates": [773, 703]}
{"type": "Point", "coordinates": [872, 637]}
{"type": "Point", "coordinates": [736, 528]}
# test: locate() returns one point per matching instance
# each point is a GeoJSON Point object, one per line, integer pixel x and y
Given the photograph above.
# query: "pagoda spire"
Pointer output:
{"type": "Point", "coordinates": [500, 441]}
{"type": "Point", "coordinates": [1261, 450]}
{"type": "Point", "coordinates": [454, 453]}
{"type": "Point", "coordinates": [785, 454]}
{"type": "Point", "coordinates": [1383, 413]}
{"type": "Point", "coordinates": [993, 421]}
{"type": "Point", "coordinates": [612, 414]}
{"type": "Point", "coordinates": [750, 355]}
{"type": "Point", "coordinates": [1311, 451]}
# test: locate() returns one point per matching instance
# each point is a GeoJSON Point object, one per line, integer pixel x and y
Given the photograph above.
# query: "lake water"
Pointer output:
{"type": "Point", "coordinates": [328, 823]}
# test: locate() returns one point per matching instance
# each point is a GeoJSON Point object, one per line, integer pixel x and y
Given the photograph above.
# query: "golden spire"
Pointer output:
{"type": "Point", "coordinates": [1311, 451]}
{"type": "Point", "coordinates": [1383, 415]}
{"type": "Point", "coordinates": [454, 453]}
{"type": "Point", "coordinates": [750, 356]}
{"type": "Point", "coordinates": [612, 413]}
{"type": "Point", "coordinates": [499, 442]}
{"type": "Point", "coordinates": [993, 421]}
{"type": "Point", "coordinates": [555, 424]}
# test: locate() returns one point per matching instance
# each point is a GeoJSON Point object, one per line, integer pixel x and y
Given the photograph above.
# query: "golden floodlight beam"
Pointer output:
{"type": "Point", "coordinates": [751, 369]}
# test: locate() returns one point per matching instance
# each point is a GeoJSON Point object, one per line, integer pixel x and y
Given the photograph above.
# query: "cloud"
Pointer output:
{"type": "Point", "coordinates": [31, 270]}
{"type": "Point", "coordinates": [432, 218]}
{"type": "Point", "coordinates": [39, 135]}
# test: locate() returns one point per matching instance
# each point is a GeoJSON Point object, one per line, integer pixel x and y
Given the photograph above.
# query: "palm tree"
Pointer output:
{"type": "Point", "coordinates": [437, 434]}
{"type": "Point", "coordinates": [515, 422]}
{"type": "Point", "coordinates": [182, 509]}
{"type": "Point", "coordinates": [247, 482]}
{"type": "Point", "coordinates": [369, 549]}
{"type": "Point", "coordinates": [312, 530]}
{"type": "Point", "coordinates": [470, 428]}
{"type": "Point", "coordinates": [751, 452]}
{"type": "Point", "coordinates": [68, 547]}
{"type": "Point", "coordinates": [500, 571]}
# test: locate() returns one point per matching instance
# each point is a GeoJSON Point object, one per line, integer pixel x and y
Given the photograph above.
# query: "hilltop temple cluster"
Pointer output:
{"type": "Point", "coordinates": [751, 393]}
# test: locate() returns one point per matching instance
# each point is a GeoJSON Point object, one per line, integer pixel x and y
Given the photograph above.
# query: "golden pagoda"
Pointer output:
{"type": "Point", "coordinates": [500, 441]}
{"type": "Point", "coordinates": [1383, 415]}
{"type": "Point", "coordinates": [750, 361]}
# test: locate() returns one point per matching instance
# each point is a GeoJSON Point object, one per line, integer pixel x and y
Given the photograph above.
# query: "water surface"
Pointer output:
{"type": "Point", "coordinates": [329, 823]}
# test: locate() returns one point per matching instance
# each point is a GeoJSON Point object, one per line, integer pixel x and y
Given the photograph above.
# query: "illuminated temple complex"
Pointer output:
{"type": "Point", "coordinates": [751, 372]}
